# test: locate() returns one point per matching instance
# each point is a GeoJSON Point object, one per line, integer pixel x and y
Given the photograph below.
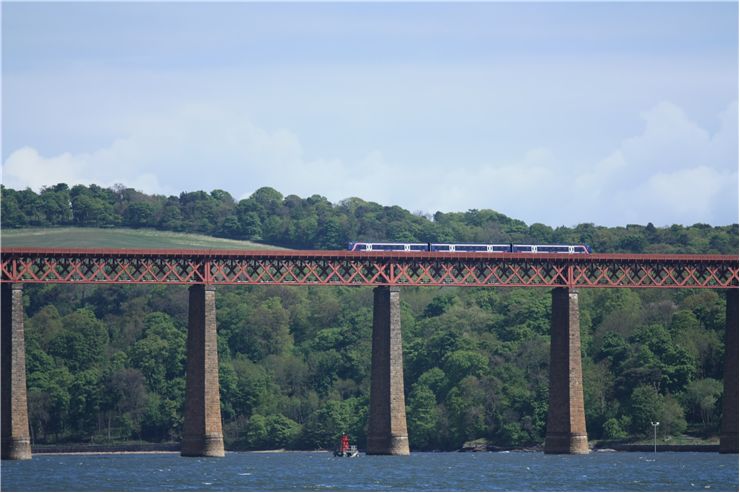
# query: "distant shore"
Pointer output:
{"type": "Point", "coordinates": [174, 448]}
{"type": "Point", "coordinates": [89, 449]}
{"type": "Point", "coordinates": [658, 448]}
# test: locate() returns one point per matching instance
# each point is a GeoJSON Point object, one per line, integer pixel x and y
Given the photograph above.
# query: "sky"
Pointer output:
{"type": "Point", "coordinates": [557, 113]}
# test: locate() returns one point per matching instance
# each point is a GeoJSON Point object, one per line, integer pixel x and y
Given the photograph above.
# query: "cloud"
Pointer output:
{"type": "Point", "coordinates": [674, 171]}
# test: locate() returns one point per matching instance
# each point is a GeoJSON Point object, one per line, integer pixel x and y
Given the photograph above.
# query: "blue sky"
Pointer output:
{"type": "Point", "coordinates": [561, 113]}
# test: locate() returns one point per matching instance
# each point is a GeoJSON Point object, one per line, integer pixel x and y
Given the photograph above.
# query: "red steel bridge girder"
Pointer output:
{"type": "Point", "coordinates": [344, 268]}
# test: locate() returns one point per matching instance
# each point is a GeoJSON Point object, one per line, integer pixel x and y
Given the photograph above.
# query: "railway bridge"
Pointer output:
{"type": "Point", "coordinates": [388, 272]}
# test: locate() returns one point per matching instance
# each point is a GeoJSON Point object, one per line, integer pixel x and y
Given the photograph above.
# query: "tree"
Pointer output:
{"type": "Point", "coordinates": [440, 304]}
{"type": "Point", "coordinates": [330, 234]}
{"type": "Point", "coordinates": [256, 435]}
{"type": "Point", "coordinates": [80, 343]}
{"type": "Point", "coordinates": [267, 197]}
{"type": "Point", "coordinates": [701, 398]}
{"type": "Point", "coordinates": [172, 217]}
{"type": "Point", "coordinates": [250, 224]}
{"type": "Point", "coordinates": [282, 431]}
{"type": "Point", "coordinates": [645, 407]}
{"type": "Point", "coordinates": [612, 429]}
{"type": "Point", "coordinates": [10, 210]}
{"type": "Point", "coordinates": [422, 418]}
{"type": "Point", "coordinates": [161, 420]}
{"type": "Point", "coordinates": [91, 207]}
{"type": "Point", "coordinates": [30, 207]}
{"type": "Point", "coordinates": [328, 423]}
{"type": "Point", "coordinates": [267, 330]}
{"type": "Point", "coordinates": [139, 215]}
{"type": "Point", "coordinates": [44, 325]}
{"type": "Point", "coordinates": [230, 227]}
{"type": "Point", "coordinates": [199, 212]}
{"type": "Point", "coordinates": [460, 364]}
{"type": "Point", "coordinates": [56, 204]}
{"type": "Point", "coordinates": [84, 404]}
{"type": "Point", "coordinates": [672, 421]}
{"type": "Point", "coordinates": [123, 400]}
{"type": "Point", "coordinates": [466, 411]}
{"type": "Point", "coordinates": [160, 356]}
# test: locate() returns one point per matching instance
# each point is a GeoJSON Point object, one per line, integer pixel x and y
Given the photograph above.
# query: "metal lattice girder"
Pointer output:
{"type": "Point", "coordinates": [114, 266]}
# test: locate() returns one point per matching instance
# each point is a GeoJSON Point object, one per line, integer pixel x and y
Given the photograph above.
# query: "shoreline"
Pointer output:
{"type": "Point", "coordinates": [175, 449]}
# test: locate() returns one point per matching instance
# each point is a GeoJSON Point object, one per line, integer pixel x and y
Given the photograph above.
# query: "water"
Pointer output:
{"type": "Point", "coordinates": [306, 471]}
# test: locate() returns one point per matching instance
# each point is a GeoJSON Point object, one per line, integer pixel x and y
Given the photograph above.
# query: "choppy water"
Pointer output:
{"type": "Point", "coordinates": [305, 471]}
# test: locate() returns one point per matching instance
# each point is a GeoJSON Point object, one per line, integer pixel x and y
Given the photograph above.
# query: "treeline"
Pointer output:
{"type": "Point", "coordinates": [315, 223]}
{"type": "Point", "coordinates": [108, 363]}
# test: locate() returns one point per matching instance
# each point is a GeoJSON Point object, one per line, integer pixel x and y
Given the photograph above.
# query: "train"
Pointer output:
{"type": "Point", "coordinates": [362, 246]}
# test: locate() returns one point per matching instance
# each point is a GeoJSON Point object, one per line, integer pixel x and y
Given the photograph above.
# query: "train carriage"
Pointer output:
{"type": "Point", "coordinates": [466, 247]}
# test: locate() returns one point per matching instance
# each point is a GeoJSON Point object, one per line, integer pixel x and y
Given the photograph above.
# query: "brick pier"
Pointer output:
{"type": "Point", "coordinates": [728, 438]}
{"type": "Point", "coordinates": [386, 434]}
{"type": "Point", "coordinates": [202, 433]}
{"type": "Point", "coordinates": [566, 420]}
{"type": "Point", "coordinates": [16, 437]}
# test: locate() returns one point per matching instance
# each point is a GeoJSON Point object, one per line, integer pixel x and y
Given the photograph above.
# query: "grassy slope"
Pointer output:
{"type": "Point", "coordinates": [118, 238]}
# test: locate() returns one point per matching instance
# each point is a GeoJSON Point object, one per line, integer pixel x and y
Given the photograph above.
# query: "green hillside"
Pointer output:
{"type": "Point", "coordinates": [119, 238]}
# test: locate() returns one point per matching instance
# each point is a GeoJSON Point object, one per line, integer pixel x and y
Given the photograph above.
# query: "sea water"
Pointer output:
{"type": "Point", "coordinates": [307, 471]}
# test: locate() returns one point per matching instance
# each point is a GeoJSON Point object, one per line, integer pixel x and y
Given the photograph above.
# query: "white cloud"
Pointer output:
{"type": "Point", "coordinates": [674, 171]}
{"type": "Point", "coordinates": [26, 168]}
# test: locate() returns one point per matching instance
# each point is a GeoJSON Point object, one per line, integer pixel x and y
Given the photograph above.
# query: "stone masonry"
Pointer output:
{"type": "Point", "coordinates": [566, 421]}
{"type": "Point", "coordinates": [387, 434]}
{"type": "Point", "coordinates": [16, 438]}
{"type": "Point", "coordinates": [202, 433]}
{"type": "Point", "coordinates": [728, 437]}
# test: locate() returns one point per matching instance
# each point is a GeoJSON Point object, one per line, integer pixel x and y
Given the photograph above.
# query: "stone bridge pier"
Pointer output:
{"type": "Point", "coordinates": [202, 433]}
{"type": "Point", "coordinates": [16, 437]}
{"type": "Point", "coordinates": [386, 432]}
{"type": "Point", "coordinates": [566, 418]}
{"type": "Point", "coordinates": [728, 438]}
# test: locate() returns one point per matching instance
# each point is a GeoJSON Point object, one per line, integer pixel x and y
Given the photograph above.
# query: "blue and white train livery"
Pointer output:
{"type": "Point", "coordinates": [467, 247]}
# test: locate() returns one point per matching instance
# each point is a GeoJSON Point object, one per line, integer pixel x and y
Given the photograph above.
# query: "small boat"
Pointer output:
{"type": "Point", "coordinates": [345, 449]}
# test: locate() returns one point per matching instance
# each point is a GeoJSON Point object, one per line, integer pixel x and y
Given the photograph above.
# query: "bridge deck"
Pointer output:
{"type": "Point", "coordinates": [340, 267]}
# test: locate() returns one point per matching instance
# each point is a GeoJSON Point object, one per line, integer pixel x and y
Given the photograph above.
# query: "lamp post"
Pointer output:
{"type": "Point", "coordinates": [655, 436]}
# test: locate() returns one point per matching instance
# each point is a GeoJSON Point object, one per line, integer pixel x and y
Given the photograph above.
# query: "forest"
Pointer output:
{"type": "Point", "coordinates": [107, 364]}
{"type": "Point", "coordinates": [316, 223]}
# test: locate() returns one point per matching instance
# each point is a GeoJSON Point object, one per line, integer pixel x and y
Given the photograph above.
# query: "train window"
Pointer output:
{"type": "Point", "coordinates": [553, 249]}
{"type": "Point", "coordinates": [418, 248]}
{"type": "Point", "coordinates": [524, 248]}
